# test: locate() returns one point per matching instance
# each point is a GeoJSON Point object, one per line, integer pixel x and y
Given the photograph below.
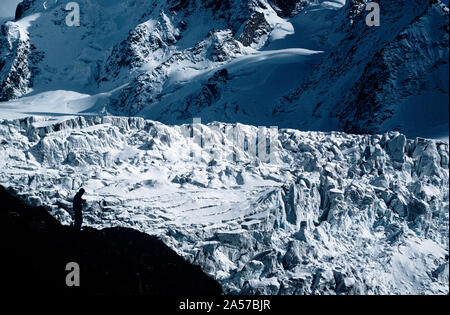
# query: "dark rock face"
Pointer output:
{"type": "Point", "coordinates": [36, 248]}
{"type": "Point", "coordinates": [255, 28]}
{"type": "Point", "coordinates": [22, 7]}
{"type": "Point", "coordinates": [19, 58]}
{"type": "Point", "coordinates": [388, 66]}
{"type": "Point", "coordinates": [19, 11]}
{"type": "Point", "coordinates": [218, 46]}
{"type": "Point", "coordinates": [210, 93]}
{"type": "Point", "coordinates": [288, 7]}
{"type": "Point", "coordinates": [179, 5]}
{"type": "Point", "coordinates": [389, 80]}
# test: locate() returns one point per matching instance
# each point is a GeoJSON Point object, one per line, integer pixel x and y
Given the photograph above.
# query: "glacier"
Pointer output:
{"type": "Point", "coordinates": [328, 213]}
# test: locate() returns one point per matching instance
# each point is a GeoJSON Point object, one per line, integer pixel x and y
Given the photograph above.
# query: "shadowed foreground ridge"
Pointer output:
{"type": "Point", "coordinates": [35, 249]}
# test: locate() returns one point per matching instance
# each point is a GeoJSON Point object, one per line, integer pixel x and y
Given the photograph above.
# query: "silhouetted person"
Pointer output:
{"type": "Point", "coordinates": [78, 209]}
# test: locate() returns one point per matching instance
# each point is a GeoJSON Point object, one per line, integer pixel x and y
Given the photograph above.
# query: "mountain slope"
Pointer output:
{"type": "Point", "coordinates": [36, 248]}
{"type": "Point", "coordinates": [392, 77]}
{"type": "Point", "coordinates": [296, 63]}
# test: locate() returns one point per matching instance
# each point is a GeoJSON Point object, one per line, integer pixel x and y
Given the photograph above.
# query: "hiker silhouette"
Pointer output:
{"type": "Point", "coordinates": [78, 209]}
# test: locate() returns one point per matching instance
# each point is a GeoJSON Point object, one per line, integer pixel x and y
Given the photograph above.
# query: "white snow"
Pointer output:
{"type": "Point", "coordinates": [233, 216]}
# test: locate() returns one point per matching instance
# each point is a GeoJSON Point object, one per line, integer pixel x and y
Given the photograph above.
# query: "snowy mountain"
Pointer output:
{"type": "Point", "coordinates": [345, 196]}
{"type": "Point", "coordinates": [390, 77]}
{"type": "Point", "coordinates": [309, 65]}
